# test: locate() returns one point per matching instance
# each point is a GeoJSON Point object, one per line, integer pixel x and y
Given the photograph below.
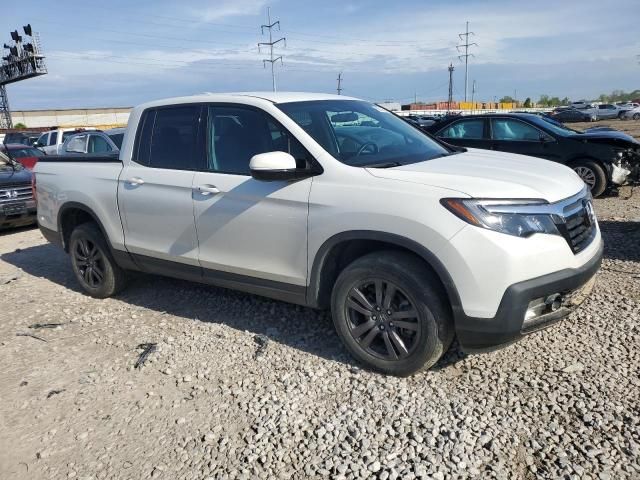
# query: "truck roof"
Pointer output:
{"type": "Point", "coordinates": [274, 97]}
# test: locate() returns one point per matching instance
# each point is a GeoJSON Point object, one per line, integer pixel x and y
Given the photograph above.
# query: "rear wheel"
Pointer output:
{"type": "Point", "coordinates": [93, 264]}
{"type": "Point", "coordinates": [592, 175]}
{"type": "Point", "coordinates": [391, 313]}
{"type": "Point", "coordinates": [636, 116]}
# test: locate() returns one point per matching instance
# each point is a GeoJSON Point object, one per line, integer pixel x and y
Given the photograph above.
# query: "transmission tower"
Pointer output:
{"type": "Point", "coordinates": [5, 112]}
{"type": "Point", "coordinates": [271, 43]}
{"type": "Point", "coordinates": [450, 99]}
{"type": "Point", "coordinates": [339, 89]}
{"type": "Point", "coordinates": [465, 38]}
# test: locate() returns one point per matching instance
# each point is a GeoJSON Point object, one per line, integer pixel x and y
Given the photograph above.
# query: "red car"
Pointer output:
{"type": "Point", "coordinates": [26, 155]}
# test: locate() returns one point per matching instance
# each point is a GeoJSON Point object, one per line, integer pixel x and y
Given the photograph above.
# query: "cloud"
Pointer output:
{"type": "Point", "coordinates": [228, 8]}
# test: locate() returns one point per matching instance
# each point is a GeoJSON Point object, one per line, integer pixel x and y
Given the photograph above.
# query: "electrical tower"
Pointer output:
{"type": "Point", "coordinates": [339, 89]}
{"type": "Point", "coordinates": [271, 43]}
{"type": "Point", "coordinates": [450, 99]}
{"type": "Point", "coordinates": [25, 60]}
{"type": "Point", "coordinates": [466, 56]}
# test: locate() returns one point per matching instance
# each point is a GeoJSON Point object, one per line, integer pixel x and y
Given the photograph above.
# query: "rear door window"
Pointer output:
{"type": "Point", "coordinates": [77, 144]}
{"type": "Point", "coordinates": [174, 139]}
{"type": "Point", "coordinates": [470, 129]}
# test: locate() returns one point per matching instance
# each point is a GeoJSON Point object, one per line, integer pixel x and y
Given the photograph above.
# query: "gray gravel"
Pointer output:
{"type": "Point", "coordinates": [245, 387]}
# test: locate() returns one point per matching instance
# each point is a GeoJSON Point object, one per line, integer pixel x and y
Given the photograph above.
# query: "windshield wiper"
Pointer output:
{"type": "Point", "coordinates": [381, 165]}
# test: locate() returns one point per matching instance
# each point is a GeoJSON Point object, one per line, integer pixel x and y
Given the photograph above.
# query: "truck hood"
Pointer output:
{"type": "Point", "coordinates": [489, 174]}
{"type": "Point", "coordinates": [8, 176]}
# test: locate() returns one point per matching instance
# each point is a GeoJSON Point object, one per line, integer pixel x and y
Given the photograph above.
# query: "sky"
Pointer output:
{"type": "Point", "coordinates": [123, 52]}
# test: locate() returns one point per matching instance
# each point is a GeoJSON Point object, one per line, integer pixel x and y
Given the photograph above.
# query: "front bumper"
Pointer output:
{"type": "Point", "coordinates": [27, 217]}
{"type": "Point", "coordinates": [508, 325]}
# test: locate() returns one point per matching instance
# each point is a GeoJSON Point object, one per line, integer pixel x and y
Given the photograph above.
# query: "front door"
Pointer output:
{"type": "Point", "coordinates": [249, 230]}
{"type": "Point", "coordinates": [155, 190]}
{"type": "Point", "coordinates": [515, 136]}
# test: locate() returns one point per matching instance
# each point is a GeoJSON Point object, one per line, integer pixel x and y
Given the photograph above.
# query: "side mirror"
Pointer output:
{"type": "Point", "coordinates": [273, 166]}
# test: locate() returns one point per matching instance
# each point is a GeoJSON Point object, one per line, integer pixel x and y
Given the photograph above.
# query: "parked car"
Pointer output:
{"type": "Point", "coordinates": [581, 104]}
{"type": "Point", "coordinates": [51, 141]}
{"type": "Point", "coordinates": [606, 111]}
{"type": "Point", "coordinates": [296, 196]}
{"type": "Point", "coordinates": [624, 107]}
{"type": "Point", "coordinates": [17, 206]}
{"type": "Point", "coordinates": [423, 120]}
{"type": "Point", "coordinates": [574, 115]}
{"type": "Point", "coordinates": [96, 141]}
{"type": "Point", "coordinates": [25, 137]}
{"type": "Point", "coordinates": [633, 114]}
{"type": "Point", "coordinates": [27, 156]}
{"type": "Point", "coordinates": [599, 157]}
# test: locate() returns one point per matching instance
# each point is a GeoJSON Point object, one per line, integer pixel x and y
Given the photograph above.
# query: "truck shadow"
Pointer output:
{"type": "Point", "coordinates": [299, 327]}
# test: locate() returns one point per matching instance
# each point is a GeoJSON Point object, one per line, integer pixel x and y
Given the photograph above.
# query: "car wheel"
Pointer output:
{"type": "Point", "coordinates": [93, 264]}
{"type": "Point", "coordinates": [392, 313]}
{"type": "Point", "coordinates": [636, 116]}
{"type": "Point", "coordinates": [592, 174]}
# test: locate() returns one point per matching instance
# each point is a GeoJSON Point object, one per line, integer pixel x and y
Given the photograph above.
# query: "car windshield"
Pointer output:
{"type": "Point", "coordinates": [557, 127]}
{"type": "Point", "coordinates": [361, 134]}
{"type": "Point", "coordinates": [116, 138]}
{"type": "Point", "coordinates": [6, 163]}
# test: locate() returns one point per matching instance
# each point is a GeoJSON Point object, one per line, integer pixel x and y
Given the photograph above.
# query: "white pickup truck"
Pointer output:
{"type": "Point", "coordinates": [331, 202]}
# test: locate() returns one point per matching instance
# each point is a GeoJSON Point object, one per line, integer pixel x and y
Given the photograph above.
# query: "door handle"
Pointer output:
{"type": "Point", "coordinates": [207, 189]}
{"type": "Point", "coordinates": [135, 181]}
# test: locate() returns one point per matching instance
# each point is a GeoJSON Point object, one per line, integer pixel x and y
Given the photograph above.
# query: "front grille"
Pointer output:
{"type": "Point", "coordinates": [577, 223]}
{"type": "Point", "coordinates": [15, 193]}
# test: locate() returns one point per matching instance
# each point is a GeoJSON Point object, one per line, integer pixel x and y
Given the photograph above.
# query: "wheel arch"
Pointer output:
{"type": "Point", "coordinates": [343, 248]}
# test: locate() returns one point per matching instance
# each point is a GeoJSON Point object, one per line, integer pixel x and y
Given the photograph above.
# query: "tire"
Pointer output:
{"type": "Point", "coordinates": [92, 262]}
{"type": "Point", "coordinates": [418, 303]}
{"type": "Point", "coordinates": [636, 116]}
{"type": "Point", "coordinates": [592, 174]}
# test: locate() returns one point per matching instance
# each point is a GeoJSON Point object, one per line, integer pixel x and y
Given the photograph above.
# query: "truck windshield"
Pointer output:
{"type": "Point", "coordinates": [361, 134]}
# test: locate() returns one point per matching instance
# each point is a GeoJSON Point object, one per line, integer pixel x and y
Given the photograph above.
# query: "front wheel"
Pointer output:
{"type": "Point", "coordinates": [592, 174]}
{"type": "Point", "coordinates": [636, 116]}
{"type": "Point", "coordinates": [391, 313]}
{"type": "Point", "coordinates": [93, 264]}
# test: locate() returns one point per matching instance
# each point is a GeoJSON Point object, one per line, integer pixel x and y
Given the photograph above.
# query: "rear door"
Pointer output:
{"type": "Point", "coordinates": [516, 136]}
{"type": "Point", "coordinates": [154, 190]}
{"type": "Point", "coordinates": [254, 230]}
{"type": "Point", "coordinates": [467, 132]}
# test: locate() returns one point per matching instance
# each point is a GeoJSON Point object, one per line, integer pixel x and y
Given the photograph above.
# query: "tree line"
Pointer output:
{"type": "Point", "coordinates": [548, 101]}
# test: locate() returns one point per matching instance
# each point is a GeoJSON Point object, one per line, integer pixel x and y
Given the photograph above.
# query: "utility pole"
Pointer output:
{"type": "Point", "coordinates": [450, 99]}
{"type": "Point", "coordinates": [466, 55]}
{"type": "Point", "coordinates": [271, 43]}
{"type": "Point", "coordinates": [473, 94]}
{"type": "Point", "coordinates": [339, 83]}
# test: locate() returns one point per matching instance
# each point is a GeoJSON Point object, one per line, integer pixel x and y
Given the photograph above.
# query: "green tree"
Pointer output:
{"type": "Point", "coordinates": [527, 103]}
{"type": "Point", "coordinates": [19, 125]}
{"type": "Point", "coordinates": [507, 99]}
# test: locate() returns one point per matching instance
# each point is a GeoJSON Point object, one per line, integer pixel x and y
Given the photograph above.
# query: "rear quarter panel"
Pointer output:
{"type": "Point", "coordinates": [91, 184]}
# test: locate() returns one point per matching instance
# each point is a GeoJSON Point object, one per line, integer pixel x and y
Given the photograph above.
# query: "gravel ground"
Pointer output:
{"type": "Point", "coordinates": [245, 387]}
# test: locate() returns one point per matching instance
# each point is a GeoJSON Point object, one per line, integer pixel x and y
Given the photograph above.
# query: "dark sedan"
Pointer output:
{"type": "Point", "coordinates": [573, 115]}
{"type": "Point", "coordinates": [17, 205]}
{"type": "Point", "coordinates": [601, 158]}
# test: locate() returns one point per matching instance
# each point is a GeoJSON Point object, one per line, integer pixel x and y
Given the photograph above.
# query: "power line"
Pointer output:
{"type": "Point", "coordinates": [339, 83]}
{"type": "Point", "coordinates": [466, 55]}
{"type": "Point", "coordinates": [270, 26]}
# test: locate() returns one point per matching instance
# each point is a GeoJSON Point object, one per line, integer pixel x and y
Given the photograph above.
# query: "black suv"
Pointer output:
{"type": "Point", "coordinates": [17, 205]}
{"type": "Point", "coordinates": [601, 158]}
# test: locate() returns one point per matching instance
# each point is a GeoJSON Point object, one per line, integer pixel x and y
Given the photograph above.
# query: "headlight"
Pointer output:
{"type": "Point", "coordinates": [513, 217]}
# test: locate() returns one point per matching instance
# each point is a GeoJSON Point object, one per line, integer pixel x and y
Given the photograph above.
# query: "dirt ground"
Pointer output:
{"type": "Point", "coordinates": [245, 387]}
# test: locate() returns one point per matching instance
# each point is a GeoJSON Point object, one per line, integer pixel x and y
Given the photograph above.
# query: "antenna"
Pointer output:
{"type": "Point", "coordinates": [339, 89]}
{"type": "Point", "coordinates": [466, 56]}
{"type": "Point", "coordinates": [271, 43]}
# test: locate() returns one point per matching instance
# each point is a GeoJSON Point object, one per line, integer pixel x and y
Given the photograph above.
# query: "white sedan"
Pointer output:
{"type": "Point", "coordinates": [632, 114]}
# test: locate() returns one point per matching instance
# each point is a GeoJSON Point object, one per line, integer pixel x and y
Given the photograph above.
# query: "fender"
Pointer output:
{"type": "Point", "coordinates": [429, 257]}
{"type": "Point", "coordinates": [122, 258]}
